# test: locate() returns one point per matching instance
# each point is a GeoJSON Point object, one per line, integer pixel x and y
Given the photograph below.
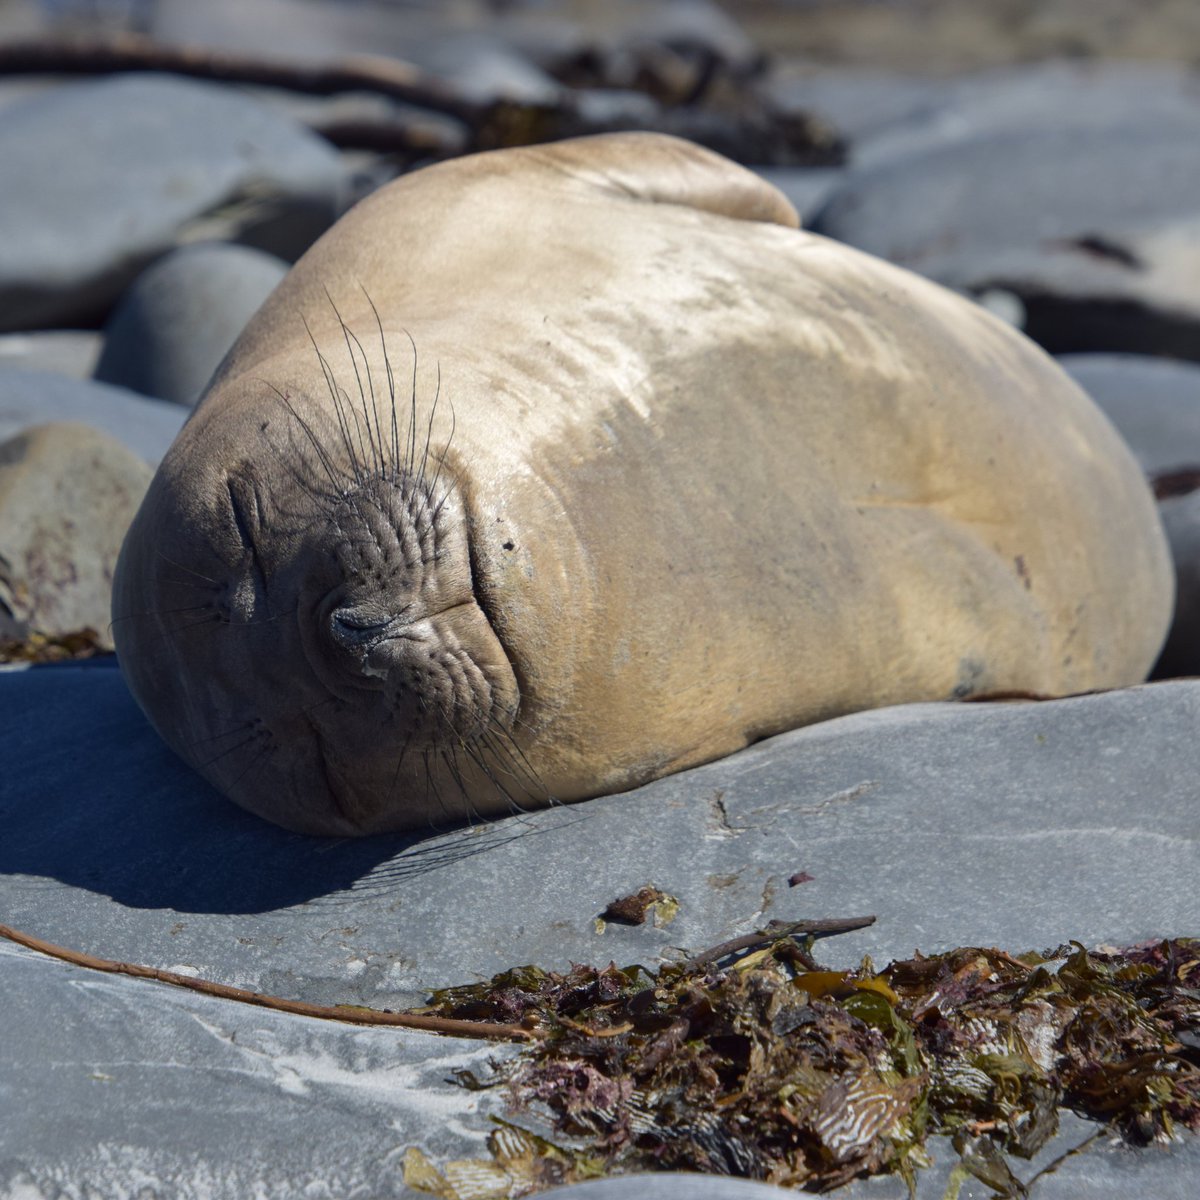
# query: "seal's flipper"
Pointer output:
{"type": "Point", "coordinates": [667, 170]}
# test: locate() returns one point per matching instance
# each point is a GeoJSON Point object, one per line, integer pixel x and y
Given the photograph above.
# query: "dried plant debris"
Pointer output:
{"type": "Point", "coordinates": [646, 902]}
{"type": "Point", "coordinates": [808, 1078]}
{"type": "Point", "coordinates": [35, 647]}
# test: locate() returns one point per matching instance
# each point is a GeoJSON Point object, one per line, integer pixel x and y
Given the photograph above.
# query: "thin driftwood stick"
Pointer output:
{"type": "Point", "coordinates": [135, 52]}
{"type": "Point", "coordinates": [345, 1013]}
{"type": "Point", "coordinates": [777, 931]}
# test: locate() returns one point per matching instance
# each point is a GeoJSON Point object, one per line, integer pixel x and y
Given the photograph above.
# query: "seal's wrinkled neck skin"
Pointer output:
{"type": "Point", "coordinates": [352, 681]}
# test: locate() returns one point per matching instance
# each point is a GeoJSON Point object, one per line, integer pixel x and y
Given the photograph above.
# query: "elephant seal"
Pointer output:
{"type": "Point", "coordinates": [550, 471]}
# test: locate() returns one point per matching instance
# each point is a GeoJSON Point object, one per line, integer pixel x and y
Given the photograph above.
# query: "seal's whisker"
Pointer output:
{"type": "Point", "coordinates": [445, 496]}
{"type": "Point", "coordinates": [244, 727]}
{"type": "Point", "coordinates": [360, 465]}
{"type": "Point", "coordinates": [410, 452]}
{"type": "Point", "coordinates": [320, 451]}
{"type": "Point", "coordinates": [216, 758]}
{"type": "Point", "coordinates": [189, 570]}
{"type": "Point", "coordinates": [501, 742]}
{"type": "Point", "coordinates": [391, 381]}
{"type": "Point", "coordinates": [350, 337]}
{"type": "Point", "coordinates": [258, 759]}
{"type": "Point", "coordinates": [331, 384]}
{"type": "Point", "coordinates": [437, 395]}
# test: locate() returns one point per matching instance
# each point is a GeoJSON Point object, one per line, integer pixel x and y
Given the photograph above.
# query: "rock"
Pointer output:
{"type": "Point", "coordinates": [1155, 404]}
{"type": "Point", "coordinates": [121, 1088]}
{"type": "Point", "coordinates": [70, 352]}
{"type": "Point", "coordinates": [861, 104]}
{"type": "Point", "coordinates": [173, 326]}
{"type": "Point", "coordinates": [957, 824]}
{"type": "Point", "coordinates": [28, 398]}
{"type": "Point", "coordinates": [67, 495]}
{"type": "Point", "coordinates": [1018, 825]}
{"type": "Point", "coordinates": [1181, 652]}
{"type": "Point", "coordinates": [1059, 94]}
{"type": "Point", "coordinates": [806, 187]}
{"type": "Point", "coordinates": [1096, 259]}
{"type": "Point", "coordinates": [153, 162]}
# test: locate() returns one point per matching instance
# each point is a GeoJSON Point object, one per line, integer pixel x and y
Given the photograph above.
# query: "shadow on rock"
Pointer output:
{"type": "Point", "coordinates": [89, 796]}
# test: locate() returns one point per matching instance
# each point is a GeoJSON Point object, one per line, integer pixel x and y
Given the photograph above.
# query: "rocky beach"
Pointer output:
{"type": "Point", "coordinates": [165, 164]}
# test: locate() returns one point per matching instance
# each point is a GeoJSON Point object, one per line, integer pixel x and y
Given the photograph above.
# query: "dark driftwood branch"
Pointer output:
{"type": "Point", "coordinates": [761, 136]}
{"type": "Point", "coordinates": [345, 1013]}
{"type": "Point", "coordinates": [134, 52]}
{"type": "Point", "coordinates": [778, 930]}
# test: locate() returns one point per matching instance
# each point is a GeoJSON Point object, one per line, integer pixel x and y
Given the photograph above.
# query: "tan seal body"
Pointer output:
{"type": "Point", "coordinates": [664, 476]}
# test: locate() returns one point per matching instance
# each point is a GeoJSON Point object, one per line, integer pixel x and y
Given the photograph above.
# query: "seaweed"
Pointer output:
{"type": "Point", "coordinates": [764, 1067]}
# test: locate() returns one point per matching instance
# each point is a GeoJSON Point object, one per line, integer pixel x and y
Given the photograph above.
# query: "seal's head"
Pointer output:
{"type": "Point", "coordinates": [295, 610]}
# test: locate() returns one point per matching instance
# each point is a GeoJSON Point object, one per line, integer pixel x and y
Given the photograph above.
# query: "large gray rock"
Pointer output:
{"type": "Point", "coordinates": [103, 177]}
{"type": "Point", "coordinates": [889, 117]}
{"type": "Point", "coordinates": [67, 496]}
{"type": "Point", "coordinates": [175, 324]}
{"type": "Point", "coordinates": [28, 398]}
{"type": "Point", "coordinates": [119, 1088]}
{"type": "Point", "coordinates": [1060, 218]}
{"type": "Point", "coordinates": [1155, 403]}
{"type": "Point", "coordinates": [70, 352]}
{"type": "Point", "coordinates": [1019, 825]}
{"type": "Point", "coordinates": [1013, 824]}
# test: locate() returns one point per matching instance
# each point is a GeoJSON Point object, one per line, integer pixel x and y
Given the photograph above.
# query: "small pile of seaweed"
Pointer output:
{"type": "Point", "coordinates": [773, 1069]}
{"type": "Point", "coordinates": [35, 647]}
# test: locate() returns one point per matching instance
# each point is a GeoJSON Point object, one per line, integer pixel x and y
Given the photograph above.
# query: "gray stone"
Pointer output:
{"type": "Point", "coordinates": [67, 496]}
{"type": "Point", "coordinates": [996, 824]}
{"type": "Point", "coordinates": [1019, 825]}
{"type": "Point", "coordinates": [860, 103]}
{"type": "Point", "coordinates": [175, 324]}
{"type": "Point", "coordinates": [1059, 94]}
{"type": "Point", "coordinates": [70, 352]}
{"type": "Point", "coordinates": [1059, 217]}
{"type": "Point", "coordinates": [28, 398]}
{"type": "Point", "coordinates": [125, 1089]}
{"type": "Point", "coordinates": [103, 177]}
{"type": "Point", "coordinates": [806, 187]}
{"type": "Point", "coordinates": [1153, 402]}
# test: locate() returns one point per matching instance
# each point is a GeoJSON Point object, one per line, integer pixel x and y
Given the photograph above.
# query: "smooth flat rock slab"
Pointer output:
{"type": "Point", "coordinates": [1058, 217]}
{"type": "Point", "coordinates": [125, 1089]}
{"type": "Point", "coordinates": [171, 329]}
{"type": "Point", "coordinates": [1153, 402]}
{"type": "Point", "coordinates": [1018, 825]}
{"type": "Point", "coordinates": [103, 177]}
{"type": "Point", "coordinates": [71, 352]}
{"type": "Point", "coordinates": [1058, 93]}
{"type": "Point", "coordinates": [28, 398]}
